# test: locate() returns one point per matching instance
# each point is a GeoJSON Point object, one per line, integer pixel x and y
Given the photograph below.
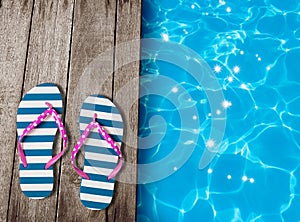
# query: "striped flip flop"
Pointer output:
{"type": "Point", "coordinates": [101, 128]}
{"type": "Point", "coordinates": [37, 123]}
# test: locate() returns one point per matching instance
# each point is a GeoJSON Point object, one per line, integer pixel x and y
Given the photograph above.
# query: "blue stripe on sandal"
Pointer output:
{"type": "Point", "coordinates": [100, 159]}
{"type": "Point", "coordinates": [35, 181]}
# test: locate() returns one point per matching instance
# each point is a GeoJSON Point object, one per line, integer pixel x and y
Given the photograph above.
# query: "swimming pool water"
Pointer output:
{"type": "Point", "coordinates": [252, 47]}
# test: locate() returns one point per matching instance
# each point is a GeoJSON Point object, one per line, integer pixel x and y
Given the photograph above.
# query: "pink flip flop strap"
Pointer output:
{"type": "Point", "coordinates": [108, 139]}
{"type": "Point", "coordinates": [35, 123]}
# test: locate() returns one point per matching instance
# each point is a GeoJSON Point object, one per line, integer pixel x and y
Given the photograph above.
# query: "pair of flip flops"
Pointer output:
{"type": "Point", "coordinates": [101, 127]}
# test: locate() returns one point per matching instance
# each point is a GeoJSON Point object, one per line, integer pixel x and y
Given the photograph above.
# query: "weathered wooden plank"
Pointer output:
{"type": "Point", "coordinates": [93, 33]}
{"type": "Point", "coordinates": [126, 93]}
{"type": "Point", "coordinates": [15, 20]}
{"type": "Point", "coordinates": [47, 61]}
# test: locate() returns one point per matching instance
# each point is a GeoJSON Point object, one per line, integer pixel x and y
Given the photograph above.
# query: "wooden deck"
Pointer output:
{"type": "Point", "coordinates": [54, 41]}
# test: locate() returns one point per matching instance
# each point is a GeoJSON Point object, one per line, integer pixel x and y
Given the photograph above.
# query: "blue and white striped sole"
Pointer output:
{"type": "Point", "coordinates": [35, 181]}
{"type": "Point", "coordinates": [100, 159]}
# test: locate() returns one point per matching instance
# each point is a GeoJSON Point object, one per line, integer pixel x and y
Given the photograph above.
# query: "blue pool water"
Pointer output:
{"type": "Point", "coordinates": [252, 48]}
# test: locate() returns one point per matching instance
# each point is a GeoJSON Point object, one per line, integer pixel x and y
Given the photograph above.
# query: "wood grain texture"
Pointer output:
{"type": "Point", "coordinates": [90, 73]}
{"type": "Point", "coordinates": [14, 31]}
{"type": "Point", "coordinates": [47, 61]}
{"type": "Point", "coordinates": [70, 43]}
{"type": "Point", "coordinates": [126, 94]}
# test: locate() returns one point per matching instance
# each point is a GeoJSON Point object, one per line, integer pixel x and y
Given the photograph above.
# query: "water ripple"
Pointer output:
{"type": "Point", "coordinates": [253, 46]}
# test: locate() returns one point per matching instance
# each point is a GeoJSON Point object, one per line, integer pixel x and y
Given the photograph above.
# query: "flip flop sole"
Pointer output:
{"type": "Point", "coordinates": [100, 159]}
{"type": "Point", "coordinates": [35, 181]}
